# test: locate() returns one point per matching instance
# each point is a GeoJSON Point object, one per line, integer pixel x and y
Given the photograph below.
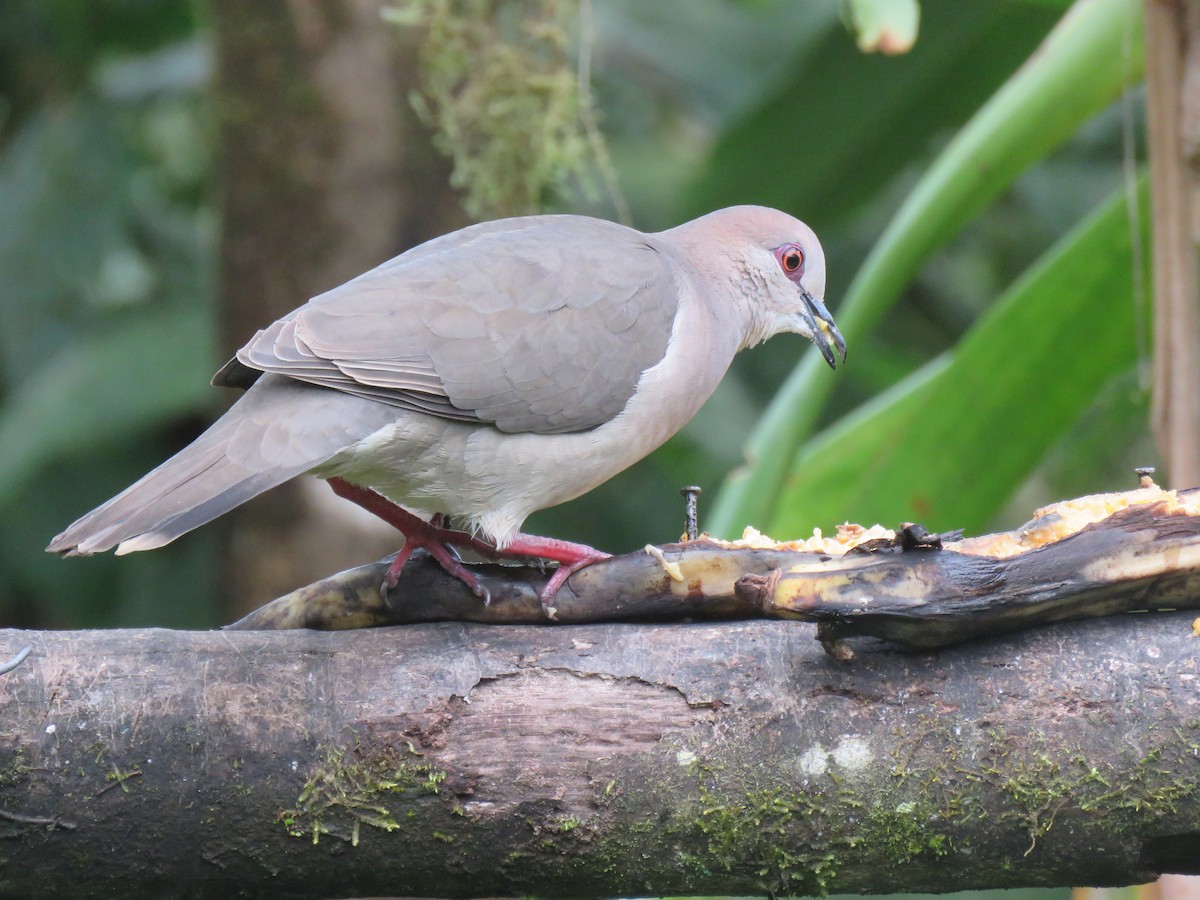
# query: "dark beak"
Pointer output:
{"type": "Point", "coordinates": [825, 333]}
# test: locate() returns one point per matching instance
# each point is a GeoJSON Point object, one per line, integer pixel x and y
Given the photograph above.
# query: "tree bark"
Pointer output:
{"type": "Point", "coordinates": [1173, 129]}
{"type": "Point", "coordinates": [605, 760]}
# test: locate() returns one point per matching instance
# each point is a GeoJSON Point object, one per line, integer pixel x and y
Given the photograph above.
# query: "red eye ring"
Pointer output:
{"type": "Point", "coordinates": [791, 259]}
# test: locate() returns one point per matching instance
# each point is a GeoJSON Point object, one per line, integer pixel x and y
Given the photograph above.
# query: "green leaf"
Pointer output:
{"type": "Point", "coordinates": [841, 126]}
{"type": "Point", "coordinates": [928, 450]}
{"type": "Point", "coordinates": [106, 386]}
{"type": "Point", "coordinates": [1089, 58]}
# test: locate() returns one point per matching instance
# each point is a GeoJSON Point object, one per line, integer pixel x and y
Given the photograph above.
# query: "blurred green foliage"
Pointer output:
{"type": "Point", "coordinates": [864, 146]}
{"type": "Point", "coordinates": [904, 451]}
{"type": "Point", "coordinates": [942, 412]}
{"type": "Point", "coordinates": [1081, 67]}
{"type": "Point", "coordinates": [106, 314]}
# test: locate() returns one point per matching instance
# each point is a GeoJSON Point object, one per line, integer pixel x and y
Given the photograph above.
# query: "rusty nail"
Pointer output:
{"type": "Point", "coordinates": [690, 493]}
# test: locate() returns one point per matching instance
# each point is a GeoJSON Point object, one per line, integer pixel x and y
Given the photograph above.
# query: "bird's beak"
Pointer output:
{"type": "Point", "coordinates": [821, 326]}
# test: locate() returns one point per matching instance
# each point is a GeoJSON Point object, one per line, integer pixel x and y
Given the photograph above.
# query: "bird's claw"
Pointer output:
{"type": "Point", "coordinates": [454, 567]}
{"type": "Point", "coordinates": [559, 578]}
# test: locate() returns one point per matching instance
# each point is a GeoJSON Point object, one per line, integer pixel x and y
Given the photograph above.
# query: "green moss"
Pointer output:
{"type": "Point", "coordinates": [1042, 779]}
{"type": "Point", "coordinates": [758, 823]}
{"type": "Point", "coordinates": [800, 837]}
{"type": "Point", "coordinates": [17, 769]}
{"type": "Point", "coordinates": [117, 778]}
{"type": "Point", "coordinates": [500, 90]}
{"type": "Point", "coordinates": [566, 824]}
{"type": "Point", "coordinates": [356, 789]}
{"type": "Point", "coordinates": [903, 832]}
{"type": "Point", "coordinates": [755, 820]}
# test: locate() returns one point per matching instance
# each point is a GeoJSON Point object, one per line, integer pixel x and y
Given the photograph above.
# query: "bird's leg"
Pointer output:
{"type": "Point", "coordinates": [439, 541]}
{"type": "Point", "coordinates": [435, 539]}
{"type": "Point", "coordinates": [571, 557]}
{"type": "Point", "coordinates": [559, 578]}
{"type": "Point", "coordinates": [555, 549]}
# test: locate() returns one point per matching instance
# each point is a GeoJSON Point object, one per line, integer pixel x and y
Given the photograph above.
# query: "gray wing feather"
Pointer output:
{"type": "Point", "coordinates": [277, 430]}
{"type": "Point", "coordinates": [542, 325]}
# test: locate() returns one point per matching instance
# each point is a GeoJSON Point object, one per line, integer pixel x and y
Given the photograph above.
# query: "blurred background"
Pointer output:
{"type": "Point", "coordinates": [175, 174]}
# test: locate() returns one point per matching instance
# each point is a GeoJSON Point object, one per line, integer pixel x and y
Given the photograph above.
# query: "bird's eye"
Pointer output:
{"type": "Point", "coordinates": [792, 260]}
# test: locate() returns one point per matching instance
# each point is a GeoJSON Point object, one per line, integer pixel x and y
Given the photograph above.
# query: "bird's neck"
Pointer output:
{"type": "Point", "coordinates": [724, 283]}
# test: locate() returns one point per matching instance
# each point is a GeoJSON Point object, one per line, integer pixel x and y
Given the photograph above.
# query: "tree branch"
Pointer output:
{"type": "Point", "coordinates": [1131, 551]}
{"type": "Point", "coordinates": [456, 759]}
{"type": "Point", "coordinates": [475, 760]}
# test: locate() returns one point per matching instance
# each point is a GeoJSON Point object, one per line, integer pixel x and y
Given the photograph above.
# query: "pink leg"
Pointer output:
{"type": "Point", "coordinates": [571, 557]}
{"type": "Point", "coordinates": [417, 533]}
{"type": "Point", "coordinates": [533, 546]}
{"type": "Point", "coordinates": [434, 537]}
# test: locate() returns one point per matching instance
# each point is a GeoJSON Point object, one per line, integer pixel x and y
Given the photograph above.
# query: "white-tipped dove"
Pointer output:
{"type": "Point", "coordinates": [486, 374]}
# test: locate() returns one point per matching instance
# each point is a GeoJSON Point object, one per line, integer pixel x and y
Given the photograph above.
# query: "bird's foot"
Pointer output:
{"type": "Point", "coordinates": [432, 537]}
{"type": "Point", "coordinates": [439, 541]}
{"type": "Point", "coordinates": [559, 578]}
{"type": "Point", "coordinates": [571, 557]}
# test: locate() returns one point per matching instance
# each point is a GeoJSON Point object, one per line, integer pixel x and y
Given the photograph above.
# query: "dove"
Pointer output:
{"type": "Point", "coordinates": [507, 367]}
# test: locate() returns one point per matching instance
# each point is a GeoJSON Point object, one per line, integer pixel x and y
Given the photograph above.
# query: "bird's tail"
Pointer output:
{"type": "Point", "coordinates": [277, 430]}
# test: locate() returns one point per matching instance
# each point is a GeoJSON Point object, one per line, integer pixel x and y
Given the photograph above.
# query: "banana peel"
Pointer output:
{"type": "Point", "coordinates": [1099, 555]}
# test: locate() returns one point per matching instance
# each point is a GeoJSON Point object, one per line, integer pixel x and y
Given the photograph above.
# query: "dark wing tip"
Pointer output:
{"type": "Point", "coordinates": [236, 374]}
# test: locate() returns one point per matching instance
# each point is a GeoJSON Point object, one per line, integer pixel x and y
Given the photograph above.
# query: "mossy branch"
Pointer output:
{"type": "Point", "coordinates": [604, 760]}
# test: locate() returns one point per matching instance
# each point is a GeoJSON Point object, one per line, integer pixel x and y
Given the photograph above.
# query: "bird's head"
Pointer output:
{"type": "Point", "coordinates": [778, 267]}
{"type": "Point", "coordinates": [794, 267]}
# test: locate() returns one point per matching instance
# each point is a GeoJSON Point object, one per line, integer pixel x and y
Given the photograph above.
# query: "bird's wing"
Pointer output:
{"type": "Point", "coordinates": [532, 325]}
